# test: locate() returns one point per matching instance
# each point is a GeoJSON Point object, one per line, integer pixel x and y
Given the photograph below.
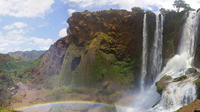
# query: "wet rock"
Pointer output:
{"type": "Point", "coordinates": [162, 84]}
{"type": "Point", "coordinates": [181, 78]}
{"type": "Point", "coordinates": [190, 71]}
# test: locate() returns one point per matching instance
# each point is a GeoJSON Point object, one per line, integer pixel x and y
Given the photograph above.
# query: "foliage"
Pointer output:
{"type": "Point", "coordinates": [164, 11]}
{"type": "Point", "coordinates": [181, 4]}
{"type": "Point", "coordinates": [137, 9]}
{"type": "Point", "coordinates": [149, 12]}
{"type": "Point", "coordinates": [3, 110]}
{"type": "Point", "coordinates": [16, 69]}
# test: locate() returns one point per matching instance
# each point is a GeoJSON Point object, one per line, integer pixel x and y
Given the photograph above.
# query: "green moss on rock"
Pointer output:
{"type": "Point", "coordinates": [161, 85]}
{"type": "Point", "coordinates": [197, 82]}
{"type": "Point", "coordinates": [99, 65]}
{"type": "Point", "coordinates": [181, 78]}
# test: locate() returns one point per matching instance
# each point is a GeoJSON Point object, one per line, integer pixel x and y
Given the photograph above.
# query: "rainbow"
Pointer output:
{"type": "Point", "coordinates": [67, 102]}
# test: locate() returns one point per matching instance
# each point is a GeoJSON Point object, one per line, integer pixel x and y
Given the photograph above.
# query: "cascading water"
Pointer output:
{"type": "Point", "coordinates": [178, 94]}
{"type": "Point", "coordinates": [156, 66]}
{"type": "Point", "coordinates": [147, 97]}
{"type": "Point", "coordinates": [144, 54]}
{"type": "Point", "coordinates": [156, 56]}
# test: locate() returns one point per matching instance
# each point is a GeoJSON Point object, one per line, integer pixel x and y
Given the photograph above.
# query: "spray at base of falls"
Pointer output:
{"type": "Point", "coordinates": [176, 94]}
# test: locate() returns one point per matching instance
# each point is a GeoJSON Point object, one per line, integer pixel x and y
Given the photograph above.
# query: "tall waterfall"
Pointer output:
{"type": "Point", "coordinates": [156, 66]}
{"type": "Point", "coordinates": [144, 54]}
{"type": "Point", "coordinates": [147, 97]}
{"type": "Point", "coordinates": [156, 57]}
{"type": "Point", "coordinates": [178, 94]}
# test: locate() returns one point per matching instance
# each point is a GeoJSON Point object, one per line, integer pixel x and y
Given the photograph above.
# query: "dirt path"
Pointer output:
{"type": "Point", "coordinates": [26, 96]}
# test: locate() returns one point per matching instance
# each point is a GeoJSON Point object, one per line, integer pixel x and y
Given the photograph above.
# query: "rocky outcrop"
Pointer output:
{"type": "Point", "coordinates": [162, 83]}
{"type": "Point", "coordinates": [197, 54]}
{"type": "Point", "coordinates": [172, 32]}
{"type": "Point", "coordinates": [51, 62]}
{"type": "Point", "coordinates": [105, 47]}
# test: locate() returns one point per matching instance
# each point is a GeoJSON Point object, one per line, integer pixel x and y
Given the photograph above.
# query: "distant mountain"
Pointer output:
{"type": "Point", "coordinates": [29, 55]}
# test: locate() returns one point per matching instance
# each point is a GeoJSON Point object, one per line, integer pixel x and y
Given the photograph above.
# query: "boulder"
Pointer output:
{"type": "Point", "coordinates": [190, 71]}
{"type": "Point", "coordinates": [162, 83]}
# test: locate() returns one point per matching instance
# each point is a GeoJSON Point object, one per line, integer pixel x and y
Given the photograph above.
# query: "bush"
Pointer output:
{"type": "Point", "coordinates": [137, 9]}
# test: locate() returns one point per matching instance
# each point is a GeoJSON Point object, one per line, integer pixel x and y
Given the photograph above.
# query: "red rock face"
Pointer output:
{"type": "Point", "coordinates": [124, 26]}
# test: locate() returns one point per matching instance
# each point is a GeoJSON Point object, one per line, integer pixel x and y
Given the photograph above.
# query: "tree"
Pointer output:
{"type": "Point", "coordinates": [181, 4]}
{"type": "Point", "coordinates": [188, 8]}
{"type": "Point", "coordinates": [137, 9]}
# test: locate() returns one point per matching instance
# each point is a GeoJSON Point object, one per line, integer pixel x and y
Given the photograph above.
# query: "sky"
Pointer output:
{"type": "Point", "coordinates": [36, 24]}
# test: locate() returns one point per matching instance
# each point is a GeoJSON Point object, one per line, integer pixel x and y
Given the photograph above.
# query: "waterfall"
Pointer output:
{"type": "Point", "coordinates": [144, 54]}
{"type": "Point", "coordinates": [156, 58]}
{"type": "Point", "coordinates": [147, 97]}
{"type": "Point", "coordinates": [178, 94]}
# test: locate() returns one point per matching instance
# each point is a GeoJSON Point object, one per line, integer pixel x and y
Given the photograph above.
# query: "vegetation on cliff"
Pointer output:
{"type": "Point", "coordinates": [105, 51]}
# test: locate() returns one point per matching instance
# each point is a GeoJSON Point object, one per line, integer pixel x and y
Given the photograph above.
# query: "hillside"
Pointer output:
{"type": "Point", "coordinates": [28, 55]}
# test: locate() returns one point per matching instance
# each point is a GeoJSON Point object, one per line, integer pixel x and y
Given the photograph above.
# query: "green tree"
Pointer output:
{"type": "Point", "coordinates": [137, 9]}
{"type": "Point", "coordinates": [178, 4]}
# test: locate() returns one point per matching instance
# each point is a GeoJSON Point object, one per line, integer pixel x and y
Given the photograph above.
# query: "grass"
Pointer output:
{"type": "Point", "coordinates": [3, 110]}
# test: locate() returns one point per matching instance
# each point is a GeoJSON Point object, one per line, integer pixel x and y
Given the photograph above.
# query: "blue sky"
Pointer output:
{"type": "Point", "coordinates": [36, 24]}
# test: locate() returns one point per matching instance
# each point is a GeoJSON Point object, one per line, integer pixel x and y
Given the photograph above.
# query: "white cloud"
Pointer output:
{"type": "Point", "coordinates": [62, 32]}
{"type": "Point", "coordinates": [16, 40]}
{"type": "Point", "coordinates": [18, 25]}
{"type": "Point", "coordinates": [128, 4]}
{"type": "Point", "coordinates": [25, 8]}
{"type": "Point", "coordinates": [70, 11]}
